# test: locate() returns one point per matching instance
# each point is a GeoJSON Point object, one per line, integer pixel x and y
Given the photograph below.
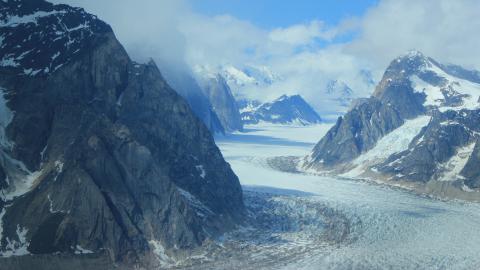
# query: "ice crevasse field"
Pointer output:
{"type": "Point", "coordinates": [388, 228]}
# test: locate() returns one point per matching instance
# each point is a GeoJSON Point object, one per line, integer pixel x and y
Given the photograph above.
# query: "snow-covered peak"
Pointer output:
{"type": "Point", "coordinates": [261, 74]}
{"type": "Point", "coordinates": [436, 86]}
{"type": "Point", "coordinates": [413, 54]}
{"type": "Point", "coordinates": [339, 93]}
{"type": "Point", "coordinates": [247, 80]}
{"type": "Point", "coordinates": [336, 87]}
{"type": "Point", "coordinates": [410, 62]}
{"type": "Point", "coordinates": [283, 110]}
{"type": "Point", "coordinates": [237, 76]}
{"type": "Point", "coordinates": [37, 37]}
{"type": "Point", "coordinates": [205, 72]}
{"type": "Point", "coordinates": [445, 91]}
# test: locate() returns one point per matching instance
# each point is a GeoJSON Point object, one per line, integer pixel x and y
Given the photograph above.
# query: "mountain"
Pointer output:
{"type": "Point", "coordinates": [421, 126]}
{"type": "Point", "coordinates": [102, 164]}
{"type": "Point", "coordinates": [284, 110]}
{"type": "Point", "coordinates": [224, 104]}
{"type": "Point", "coordinates": [186, 85]}
{"type": "Point", "coordinates": [339, 92]}
{"type": "Point", "coordinates": [247, 80]}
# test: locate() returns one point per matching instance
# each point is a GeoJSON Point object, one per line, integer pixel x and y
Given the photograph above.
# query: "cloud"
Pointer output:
{"type": "Point", "coordinates": [221, 39]}
{"type": "Point", "coordinates": [147, 28]}
{"type": "Point", "coordinates": [306, 55]}
{"type": "Point", "coordinates": [301, 34]}
{"type": "Point", "coordinates": [443, 29]}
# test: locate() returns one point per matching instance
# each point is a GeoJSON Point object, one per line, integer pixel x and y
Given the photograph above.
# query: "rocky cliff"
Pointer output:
{"type": "Point", "coordinates": [187, 86]}
{"type": "Point", "coordinates": [100, 159]}
{"type": "Point", "coordinates": [223, 103]}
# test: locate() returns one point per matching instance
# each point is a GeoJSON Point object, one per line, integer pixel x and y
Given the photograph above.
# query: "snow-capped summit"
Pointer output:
{"type": "Point", "coordinates": [238, 77]}
{"type": "Point", "coordinates": [261, 74]}
{"type": "Point", "coordinates": [246, 81]}
{"type": "Point", "coordinates": [422, 124]}
{"type": "Point", "coordinates": [434, 85]}
{"type": "Point", "coordinates": [339, 92]}
{"type": "Point", "coordinates": [283, 110]}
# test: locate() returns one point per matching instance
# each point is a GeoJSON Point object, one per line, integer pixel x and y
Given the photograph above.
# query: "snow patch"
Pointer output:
{"type": "Point", "coordinates": [394, 142]}
{"type": "Point", "coordinates": [80, 250]}
{"type": "Point", "coordinates": [55, 56]}
{"type": "Point", "coordinates": [17, 248]}
{"type": "Point", "coordinates": [51, 205]}
{"type": "Point", "coordinates": [8, 61]}
{"type": "Point", "coordinates": [12, 21]}
{"type": "Point", "coordinates": [467, 91]}
{"type": "Point", "coordinates": [160, 253]}
{"type": "Point", "coordinates": [251, 107]}
{"type": "Point", "coordinates": [58, 169]}
{"type": "Point", "coordinates": [452, 168]}
{"type": "Point", "coordinates": [434, 96]}
{"type": "Point", "coordinates": [20, 179]}
{"type": "Point", "coordinates": [201, 171]}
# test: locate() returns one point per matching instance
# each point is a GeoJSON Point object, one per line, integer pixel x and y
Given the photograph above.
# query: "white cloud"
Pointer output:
{"type": "Point", "coordinates": [301, 34]}
{"type": "Point", "coordinates": [443, 29]}
{"type": "Point", "coordinates": [221, 39]}
{"type": "Point", "coordinates": [147, 28]}
{"type": "Point", "coordinates": [170, 32]}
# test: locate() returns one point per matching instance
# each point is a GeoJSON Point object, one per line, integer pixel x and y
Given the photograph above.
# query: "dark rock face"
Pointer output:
{"type": "Point", "coordinates": [355, 133]}
{"type": "Point", "coordinates": [188, 88]}
{"type": "Point", "coordinates": [471, 171]}
{"type": "Point", "coordinates": [223, 102]}
{"type": "Point", "coordinates": [100, 155]}
{"type": "Point", "coordinates": [412, 86]}
{"type": "Point", "coordinates": [436, 144]}
{"type": "Point", "coordinates": [284, 110]}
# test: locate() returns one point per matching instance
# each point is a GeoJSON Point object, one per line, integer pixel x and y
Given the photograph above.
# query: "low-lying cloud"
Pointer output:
{"type": "Point", "coordinates": [306, 55]}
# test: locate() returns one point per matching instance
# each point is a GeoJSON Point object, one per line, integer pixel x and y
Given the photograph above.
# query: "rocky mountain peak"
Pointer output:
{"type": "Point", "coordinates": [338, 87]}
{"type": "Point", "coordinates": [283, 110]}
{"type": "Point", "coordinates": [223, 102]}
{"type": "Point", "coordinates": [98, 154]}
{"type": "Point", "coordinates": [420, 125]}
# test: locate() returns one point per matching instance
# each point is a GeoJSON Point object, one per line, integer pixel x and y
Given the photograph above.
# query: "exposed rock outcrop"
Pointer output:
{"type": "Point", "coordinates": [223, 102]}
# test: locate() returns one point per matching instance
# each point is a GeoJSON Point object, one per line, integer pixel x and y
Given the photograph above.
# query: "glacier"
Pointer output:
{"type": "Point", "coordinates": [388, 227]}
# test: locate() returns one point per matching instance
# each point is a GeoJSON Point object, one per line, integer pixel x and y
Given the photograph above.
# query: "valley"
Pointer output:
{"type": "Point", "coordinates": [389, 228]}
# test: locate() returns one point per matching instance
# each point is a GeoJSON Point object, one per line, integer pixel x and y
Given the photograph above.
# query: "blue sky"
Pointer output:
{"type": "Point", "coordinates": [270, 14]}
